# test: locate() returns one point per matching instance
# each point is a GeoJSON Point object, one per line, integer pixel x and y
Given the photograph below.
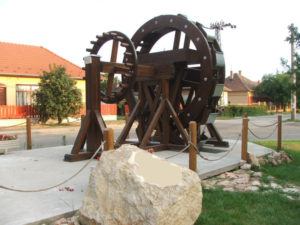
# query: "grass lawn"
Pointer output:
{"type": "Point", "coordinates": [253, 208]}
{"type": "Point", "coordinates": [249, 208]}
{"type": "Point", "coordinates": [285, 172]}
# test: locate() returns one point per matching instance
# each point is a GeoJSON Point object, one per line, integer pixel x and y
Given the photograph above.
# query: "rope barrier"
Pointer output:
{"type": "Point", "coordinates": [61, 183]}
{"type": "Point", "coordinates": [269, 125]}
{"type": "Point", "coordinates": [202, 156]}
{"type": "Point", "coordinates": [258, 137]}
{"type": "Point", "coordinates": [178, 153]}
{"type": "Point", "coordinates": [217, 159]}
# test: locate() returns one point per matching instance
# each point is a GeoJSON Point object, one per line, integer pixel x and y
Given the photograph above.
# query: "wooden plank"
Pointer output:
{"type": "Point", "coordinates": [78, 157]}
{"type": "Point", "coordinates": [114, 51]}
{"type": "Point", "coordinates": [176, 40]}
{"type": "Point", "coordinates": [165, 115]}
{"type": "Point", "coordinates": [81, 136]}
{"type": "Point", "coordinates": [178, 124]}
{"type": "Point", "coordinates": [143, 71]}
{"type": "Point", "coordinates": [100, 121]}
{"type": "Point", "coordinates": [113, 58]}
{"type": "Point", "coordinates": [128, 125]}
{"type": "Point", "coordinates": [153, 123]}
{"type": "Point", "coordinates": [187, 41]}
{"type": "Point", "coordinates": [169, 57]}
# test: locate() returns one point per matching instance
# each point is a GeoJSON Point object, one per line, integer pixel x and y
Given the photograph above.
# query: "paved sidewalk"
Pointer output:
{"type": "Point", "coordinates": [45, 167]}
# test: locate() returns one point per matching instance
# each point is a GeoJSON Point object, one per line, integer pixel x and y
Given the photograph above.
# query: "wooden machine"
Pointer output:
{"type": "Point", "coordinates": [165, 88]}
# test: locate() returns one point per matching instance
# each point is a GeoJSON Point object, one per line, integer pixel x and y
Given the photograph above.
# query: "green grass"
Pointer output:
{"type": "Point", "coordinates": [285, 172]}
{"type": "Point", "coordinates": [249, 208]}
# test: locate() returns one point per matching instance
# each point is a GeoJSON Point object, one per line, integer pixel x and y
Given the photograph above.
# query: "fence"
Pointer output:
{"type": "Point", "coordinates": [17, 112]}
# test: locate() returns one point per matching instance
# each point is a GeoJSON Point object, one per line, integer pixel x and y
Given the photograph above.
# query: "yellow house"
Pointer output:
{"type": "Point", "coordinates": [21, 67]}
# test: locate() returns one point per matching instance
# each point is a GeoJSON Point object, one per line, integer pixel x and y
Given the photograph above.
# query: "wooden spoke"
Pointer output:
{"type": "Point", "coordinates": [176, 40]}
{"type": "Point", "coordinates": [114, 51]}
{"type": "Point", "coordinates": [110, 83]}
{"type": "Point", "coordinates": [187, 41]}
{"type": "Point", "coordinates": [190, 96]}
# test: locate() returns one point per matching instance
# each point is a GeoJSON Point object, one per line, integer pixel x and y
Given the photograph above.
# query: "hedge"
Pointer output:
{"type": "Point", "coordinates": [237, 110]}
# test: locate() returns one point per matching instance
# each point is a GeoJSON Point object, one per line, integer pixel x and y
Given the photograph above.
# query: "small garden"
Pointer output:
{"type": "Point", "coordinates": [264, 206]}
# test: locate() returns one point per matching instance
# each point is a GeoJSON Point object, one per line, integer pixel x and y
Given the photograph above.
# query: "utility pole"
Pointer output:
{"type": "Point", "coordinates": [293, 92]}
{"type": "Point", "coordinates": [218, 26]}
{"type": "Point", "coordinates": [294, 40]}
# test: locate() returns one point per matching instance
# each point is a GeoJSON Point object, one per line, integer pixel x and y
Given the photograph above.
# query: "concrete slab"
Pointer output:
{"type": "Point", "coordinates": [41, 168]}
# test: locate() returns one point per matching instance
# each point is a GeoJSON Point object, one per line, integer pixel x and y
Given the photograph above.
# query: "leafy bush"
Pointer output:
{"type": "Point", "coordinates": [236, 110]}
{"type": "Point", "coordinates": [57, 96]}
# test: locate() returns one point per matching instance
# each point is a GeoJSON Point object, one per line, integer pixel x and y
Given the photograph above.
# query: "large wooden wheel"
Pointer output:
{"type": "Point", "coordinates": [116, 88]}
{"type": "Point", "coordinates": [199, 70]}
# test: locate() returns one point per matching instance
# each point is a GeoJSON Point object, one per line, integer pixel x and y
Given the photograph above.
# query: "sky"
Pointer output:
{"type": "Point", "coordinates": [66, 27]}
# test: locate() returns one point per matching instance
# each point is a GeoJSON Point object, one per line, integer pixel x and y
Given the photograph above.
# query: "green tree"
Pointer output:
{"type": "Point", "coordinates": [276, 87]}
{"type": "Point", "coordinates": [294, 40]}
{"type": "Point", "coordinates": [296, 87]}
{"type": "Point", "coordinates": [57, 96]}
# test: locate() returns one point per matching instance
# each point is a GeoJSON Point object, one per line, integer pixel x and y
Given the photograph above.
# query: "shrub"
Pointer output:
{"type": "Point", "coordinates": [236, 110]}
{"type": "Point", "coordinates": [57, 96]}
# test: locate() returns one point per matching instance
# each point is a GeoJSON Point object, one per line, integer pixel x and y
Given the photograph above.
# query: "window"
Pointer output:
{"type": "Point", "coordinates": [24, 93]}
{"type": "Point", "coordinates": [2, 94]}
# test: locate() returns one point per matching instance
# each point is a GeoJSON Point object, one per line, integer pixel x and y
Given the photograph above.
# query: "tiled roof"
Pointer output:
{"type": "Point", "coordinates": [237, 82]}
{"type": "Point", "coordinates": [28, 60]}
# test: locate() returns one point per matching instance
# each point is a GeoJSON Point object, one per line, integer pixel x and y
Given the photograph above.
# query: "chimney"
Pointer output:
{"type": "Point", "coordinates": [240, 72]}
{"type": "Point", "coordinates": [231, 74]}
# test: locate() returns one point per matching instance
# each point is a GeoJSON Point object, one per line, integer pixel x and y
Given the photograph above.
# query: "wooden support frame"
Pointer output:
{"type": "Point", "coordinates": [93, 126]}
{"type": "Point", "coordinates": [216, 138]}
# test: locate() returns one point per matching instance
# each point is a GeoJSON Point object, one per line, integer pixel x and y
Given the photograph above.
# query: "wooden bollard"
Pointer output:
{"type": "Point", "coordinates": [192, 150]}
{"type": "Point", "coordinates": [109, 139]}
{"type": "Point", "coordinates": [28, 133]}
{"type": "Point", "coordinates": [279, 133]}
{"type": "Point", "coordinates": [244, 153]}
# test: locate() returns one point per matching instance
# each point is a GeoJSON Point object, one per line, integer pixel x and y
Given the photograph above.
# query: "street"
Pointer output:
{"type": "Point", "coordinates": [229, 129]}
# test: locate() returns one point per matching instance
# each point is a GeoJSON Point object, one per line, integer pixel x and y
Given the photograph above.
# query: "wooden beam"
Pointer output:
{"type": "Point", "coordinates": [126, 129]}
{"type": "Point", "coordinates": [144, 71]}
{"type": "Point", "coordinates": [178, 124]}
{"type": "Point", "coordinates": [169, 57]}
{"type": "Point", "coordinates": [153, 123]}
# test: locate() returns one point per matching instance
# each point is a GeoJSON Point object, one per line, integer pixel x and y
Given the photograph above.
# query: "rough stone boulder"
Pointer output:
{"type": "Point", "coordinates": [130, 186]}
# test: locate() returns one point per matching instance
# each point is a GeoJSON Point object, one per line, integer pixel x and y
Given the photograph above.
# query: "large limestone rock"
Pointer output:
{"type": "Point", "coordinates": [130, 186]}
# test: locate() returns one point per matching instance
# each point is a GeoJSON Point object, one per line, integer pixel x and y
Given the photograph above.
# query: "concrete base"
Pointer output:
{"type": "Point", "coordinates": [45, 167]}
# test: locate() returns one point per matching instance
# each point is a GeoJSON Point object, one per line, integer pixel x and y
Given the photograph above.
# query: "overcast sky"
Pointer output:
{"type": "Point", "coordinates": [67, 26]}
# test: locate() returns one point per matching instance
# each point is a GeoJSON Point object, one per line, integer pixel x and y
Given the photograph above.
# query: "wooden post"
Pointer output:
{"type": "Point", "coordinates": [192, 150]}
{"type": "Point", "coordinates": [245, 138]}
{"type": "Point", "coordinates": [109, 139]}
{"type": "Point", "coordinates": [28, 133]}
{"type": "Point", "coordinates": [64, 140]}
{"type": "Point", "coordinates": [279, 133]}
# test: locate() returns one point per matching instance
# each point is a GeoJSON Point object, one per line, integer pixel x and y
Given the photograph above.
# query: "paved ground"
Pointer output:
{"type": "Point", "coordinates": [41, 168]}
{"type": "Point", "coordinates": [229, 129]}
